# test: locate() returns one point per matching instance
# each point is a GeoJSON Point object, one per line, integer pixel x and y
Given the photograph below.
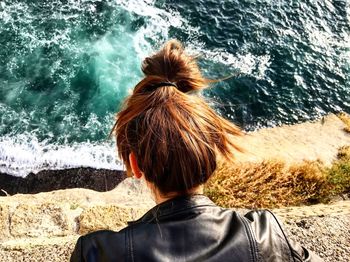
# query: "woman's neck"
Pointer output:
{"type": "Point", "coordinates": [159, 198]}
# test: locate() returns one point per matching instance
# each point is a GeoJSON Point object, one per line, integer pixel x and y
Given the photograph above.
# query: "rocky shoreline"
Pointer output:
{"type": "Point", "coordinates": [45, 226]}
{"type": "Point", "coordinates": [48, 180]}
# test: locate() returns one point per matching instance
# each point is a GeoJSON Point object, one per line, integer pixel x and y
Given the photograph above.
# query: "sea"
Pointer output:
{"type": "Point", "coordinates": [67, 65]}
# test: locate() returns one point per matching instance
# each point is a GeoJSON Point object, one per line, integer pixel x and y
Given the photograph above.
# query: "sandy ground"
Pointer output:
{"type": "Point", "coordinates": [306, 141]}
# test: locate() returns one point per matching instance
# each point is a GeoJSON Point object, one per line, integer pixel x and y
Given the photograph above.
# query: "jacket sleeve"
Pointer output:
{"type": "Point", "coordinates": [76, 255]}
{"type": "Point", "coordinates": [273, 243]}
{"type": "Point", "coordinates": [103, 245]}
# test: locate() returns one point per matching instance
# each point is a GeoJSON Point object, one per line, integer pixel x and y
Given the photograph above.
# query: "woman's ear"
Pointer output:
{"type": "Point", "coordinates": [134, 166]}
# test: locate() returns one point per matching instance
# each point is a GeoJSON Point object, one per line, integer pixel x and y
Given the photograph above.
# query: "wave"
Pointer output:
{"type": "Point", "coordinates": [25, 154]}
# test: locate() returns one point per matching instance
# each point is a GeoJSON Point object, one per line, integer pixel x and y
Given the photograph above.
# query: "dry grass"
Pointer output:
{"type": "Point", "coordinates": [267, 184]}
{"type": "Point", "coordinates": [346, 119]}
{"type": "Point", "coordinates": [274, 183]}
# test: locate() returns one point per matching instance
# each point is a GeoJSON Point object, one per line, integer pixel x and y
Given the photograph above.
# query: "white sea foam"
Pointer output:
{"type": "Point", "coordinates": [23, 154]}
{"type": "Point", "coordinates": [247, 64]}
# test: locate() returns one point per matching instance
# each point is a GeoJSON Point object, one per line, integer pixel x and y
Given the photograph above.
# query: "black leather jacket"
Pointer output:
{"type": "Point", "coordinates": [193, 228]}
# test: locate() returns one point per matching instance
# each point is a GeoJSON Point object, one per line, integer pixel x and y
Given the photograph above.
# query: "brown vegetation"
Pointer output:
{"type": "Point", "coordinates": [273, 183]}
{"type": "Point", "coordinates": [346, 119]}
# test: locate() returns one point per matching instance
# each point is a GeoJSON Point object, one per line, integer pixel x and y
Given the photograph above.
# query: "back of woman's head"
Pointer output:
{"type": "Point", "coordinates": [173, 133]}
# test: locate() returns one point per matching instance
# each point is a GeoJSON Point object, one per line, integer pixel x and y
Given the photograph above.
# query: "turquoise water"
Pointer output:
{"type": "Point", "coordinates": [66, 66]}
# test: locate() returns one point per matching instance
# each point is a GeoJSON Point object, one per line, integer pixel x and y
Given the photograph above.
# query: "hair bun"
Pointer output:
{"type": "Point", "coordinates": [173, 64]}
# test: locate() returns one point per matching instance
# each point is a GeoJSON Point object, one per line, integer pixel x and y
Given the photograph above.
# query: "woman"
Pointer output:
{"type": "Point", "coordinates": [167, 135]}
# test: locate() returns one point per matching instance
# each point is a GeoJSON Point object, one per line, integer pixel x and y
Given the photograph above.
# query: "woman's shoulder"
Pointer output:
{"type": "Point", "coordinates": [101, 235]}
{"type": "Point", "coordinates": [272, 239]}
{"type": "Point", "coordinates": [100, 244]}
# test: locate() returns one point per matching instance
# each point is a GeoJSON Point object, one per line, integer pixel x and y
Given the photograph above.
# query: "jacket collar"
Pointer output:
{"type": "Point", "coordinates": [174, 205]}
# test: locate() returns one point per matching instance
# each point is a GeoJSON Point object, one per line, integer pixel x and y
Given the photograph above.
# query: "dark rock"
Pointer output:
{"type": "Point", "coordinates": [48, 180]}
{"type": "Point", "coordinates": [303, 224]}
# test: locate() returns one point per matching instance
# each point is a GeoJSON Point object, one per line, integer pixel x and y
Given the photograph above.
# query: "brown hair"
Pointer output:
{"type": "Point", "coordinates": [173, 133]}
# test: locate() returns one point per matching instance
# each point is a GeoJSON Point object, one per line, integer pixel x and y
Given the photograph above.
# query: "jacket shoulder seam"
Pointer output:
{"type": "Point", "coordinates": [129, 245]}
{"type": "Point", "coordinates": [251, 240]}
